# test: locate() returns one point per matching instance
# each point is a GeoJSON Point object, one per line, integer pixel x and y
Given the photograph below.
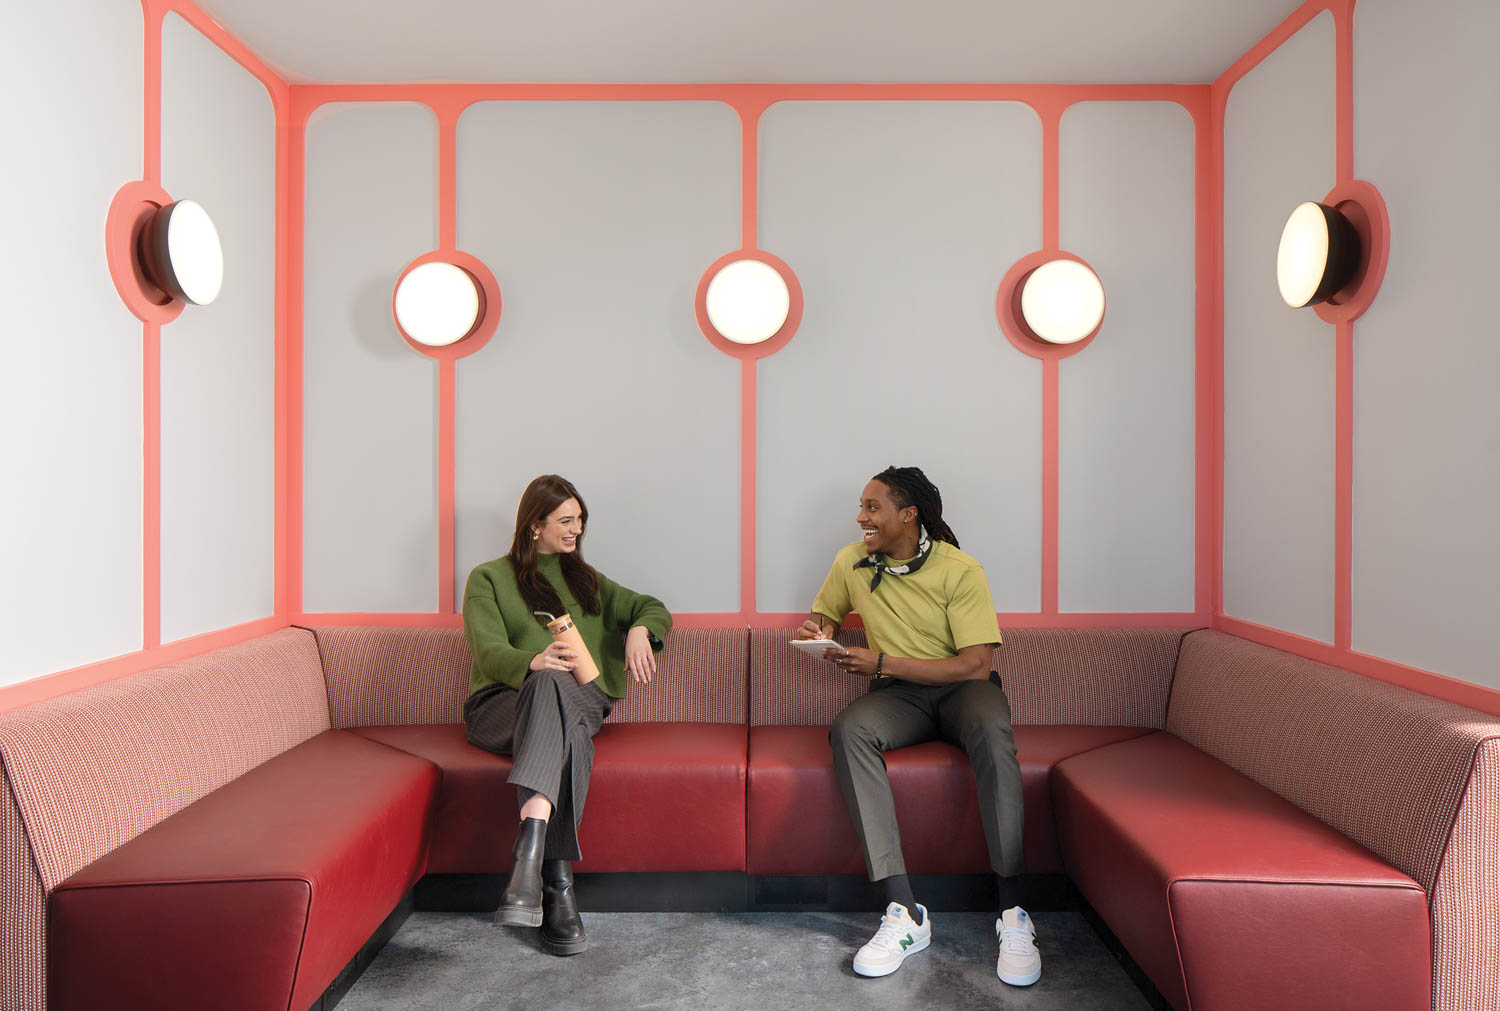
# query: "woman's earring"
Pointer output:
{"type": "Point", "coordinates": [536, 535]}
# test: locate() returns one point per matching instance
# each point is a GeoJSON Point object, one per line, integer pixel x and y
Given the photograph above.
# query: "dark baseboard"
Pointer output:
{"type": "Point", "coordinates": [736, 892]}
{"type": "Point", "coordinates": [1132, 969]}
{"type": "Point", "coordinates": [361, 961]}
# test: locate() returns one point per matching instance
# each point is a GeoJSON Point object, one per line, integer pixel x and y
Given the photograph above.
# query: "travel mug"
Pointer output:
{"type": "Point", "coordinates": [563, 630]}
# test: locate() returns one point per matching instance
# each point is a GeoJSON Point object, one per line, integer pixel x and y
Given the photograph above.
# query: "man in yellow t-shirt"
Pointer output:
{"type": "Point", "coordinates": [931, 626]}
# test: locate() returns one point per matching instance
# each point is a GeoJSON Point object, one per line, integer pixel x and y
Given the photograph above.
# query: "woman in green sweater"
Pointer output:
{"type": "Point", "coordinates": [525, 700]}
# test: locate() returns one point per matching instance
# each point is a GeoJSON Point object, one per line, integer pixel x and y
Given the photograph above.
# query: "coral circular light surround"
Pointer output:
{"type": "Point", "coordinates": [437, 303]}
{"type": "Point", "coordinates": [1062, 301]}
{"type": "Point", "coordinates": [1318, 255]}
{"type": "Point", "coordinates": [747, 301]}
{"type": "Point", "coordinates": [180, 252]}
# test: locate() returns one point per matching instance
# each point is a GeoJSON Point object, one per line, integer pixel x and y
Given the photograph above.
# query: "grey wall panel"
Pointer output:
{"type": "Point", "coordinates": [1126, 402]}
{"type": "Point", "coordinates": [370, 428]}
{"type": "Point", "coordinates": [598, 219]}
{"type": "Point", "coordinates": [218, 362]}
{"type": "Point", "coordinates": [70, 391]}
{"type": "Point", "coordinates": [1426, 428]}
{"type": "Point", "coordinates": [1278, 362]}
{"type": "Point", "coordinates": [899, 219]}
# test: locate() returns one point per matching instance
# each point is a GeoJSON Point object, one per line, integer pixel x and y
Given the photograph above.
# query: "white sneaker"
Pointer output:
{"type": "Point", "coordinates": [897, 937]}
{"type": "Point", "coordinates": [1019, 964]}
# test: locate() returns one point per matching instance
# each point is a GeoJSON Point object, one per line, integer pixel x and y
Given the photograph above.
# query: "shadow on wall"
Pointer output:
{"type": "Point", "coordinates": [373, 323]}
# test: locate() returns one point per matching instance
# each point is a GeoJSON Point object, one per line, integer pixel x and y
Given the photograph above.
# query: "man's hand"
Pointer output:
{"type": "Point", "coordinates": [853, 660]}
{"type": "Point", "coordinates": [817, 627]}
{"type": "Point", "coordinates": [810, 630]}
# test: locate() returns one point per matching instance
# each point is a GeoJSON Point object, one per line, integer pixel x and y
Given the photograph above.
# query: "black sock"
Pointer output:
{"type": "Point", "coordinates": [897, 888]}
{"type": "Point", "coordinates": [1010, 891]}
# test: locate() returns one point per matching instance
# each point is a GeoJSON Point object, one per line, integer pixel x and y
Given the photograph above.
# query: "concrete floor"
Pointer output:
{"type": "Point", "coordinates": [704, 961]}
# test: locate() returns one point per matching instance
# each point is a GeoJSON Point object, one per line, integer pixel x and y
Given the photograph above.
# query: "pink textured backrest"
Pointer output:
{"type": "Point", "coordinates": [90, 770]}
{"type": "Point", "coordinates": [1412, 778]}
{"type": "Point", "coordinates": [1093, 676]}
{"type": "Point", "coordinates": [388, 676]}
{"type": "Point", "coordinates": [1098, 677]}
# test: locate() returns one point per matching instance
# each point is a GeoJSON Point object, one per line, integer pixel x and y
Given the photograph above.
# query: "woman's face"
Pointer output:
{"type": "Point", "coordinates": [879, 519]}
{"type": "Point", "coordinates": [558, 534]}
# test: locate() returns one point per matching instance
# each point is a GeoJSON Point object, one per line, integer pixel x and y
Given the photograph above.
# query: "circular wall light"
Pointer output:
{"type": "Point", "coordinates": [437, 304]}
{"type": "Point", "coordinates": [747, 301]}
{"type": "Point", "coordinates": [1050, 304]}
{"type": "Point", "coordinates": [446, 304]}
{"type": "Point", "coordinates": [1333, 252]}
{"type": "Point", "coordinates": [1318, 255]}
{"type": "Point", "coordinates": [1062, 301]}
{"type": "Point", "coordinates": [162, 254]}
{"type": "Point", "coordinates": [181, 253]}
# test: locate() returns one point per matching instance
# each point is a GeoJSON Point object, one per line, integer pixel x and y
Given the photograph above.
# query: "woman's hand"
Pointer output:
{"type": "Point", "coordinates": [640, 660]}
{"type": "Point", "coordinates": [853, 660]}
{"type": "Point", "coordinates": [558, 656]}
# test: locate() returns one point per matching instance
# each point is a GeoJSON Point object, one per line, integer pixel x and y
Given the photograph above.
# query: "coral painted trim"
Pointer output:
{"type": "Point", "coordinates": [1465, 693]}
{"type": "Point", "coordinates": [750, 101]}
{"type": "Point", "coordinates": [1341, 652]}
{"type": "Point", "coordinates": [52, 685]}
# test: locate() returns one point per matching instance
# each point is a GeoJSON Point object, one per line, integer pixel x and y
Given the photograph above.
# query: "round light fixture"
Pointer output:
{"type": "Point", "coordinates": [180, 252]}
{"type": "Point", "coordinates": [747, 301]}
{"type": "Point", "coordinates": [438, 303]}
{"type": "Point", "coordinates": [1062, 301]}
{"type": "Point", "coordinates": [1318, 256]}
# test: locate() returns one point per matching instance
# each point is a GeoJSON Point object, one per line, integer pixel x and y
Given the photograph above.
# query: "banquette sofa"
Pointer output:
{"type": "Point", "coordinates": [1256, 829]}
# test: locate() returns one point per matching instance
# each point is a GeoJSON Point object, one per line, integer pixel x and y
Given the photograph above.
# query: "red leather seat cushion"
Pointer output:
{"type": "Point", "coordinates": [283, 872]}
{"type": "Point", "coordinates": [798, 823]}
{"type": "Point", "coordinates": [1228, 894]}
{"type": "Point", "coordinates": [663, 797]}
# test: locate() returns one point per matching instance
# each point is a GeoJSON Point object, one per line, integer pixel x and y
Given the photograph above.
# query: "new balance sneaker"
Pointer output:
{"type": "Point", "coordinates": [1019, 964]}
{"type": "Point", "coordinates": [897, 937]}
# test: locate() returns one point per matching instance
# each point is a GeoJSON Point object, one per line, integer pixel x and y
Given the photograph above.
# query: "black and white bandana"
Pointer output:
{"type": "Point", "coordinates": [877, 562]}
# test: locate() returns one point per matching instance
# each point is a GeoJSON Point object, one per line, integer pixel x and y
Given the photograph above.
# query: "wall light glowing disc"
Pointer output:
{"type": "Point", "coordinates": [1319, 255]}
{"type": "Point", "coordinates": [184, 257]}
{"type": "Point", "coordinates": [1062, 301]}
{"type": "Point", "coordinates": [747, 301]}
{"type": "Point", "coordinates": [437, 304]}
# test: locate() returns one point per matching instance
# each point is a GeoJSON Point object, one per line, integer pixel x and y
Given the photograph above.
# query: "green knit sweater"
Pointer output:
{"type": "Point", "coordinates": [504, 635]}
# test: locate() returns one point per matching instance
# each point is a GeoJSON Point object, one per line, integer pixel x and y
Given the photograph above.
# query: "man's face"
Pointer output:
{"type": "Point", "coordinates": [879, 519]}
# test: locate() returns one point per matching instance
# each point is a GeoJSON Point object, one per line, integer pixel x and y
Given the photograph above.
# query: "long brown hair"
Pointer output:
{"type": "Point", "coordinates": [541, 497]}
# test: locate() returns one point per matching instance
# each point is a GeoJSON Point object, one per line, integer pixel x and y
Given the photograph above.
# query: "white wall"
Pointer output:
{"type": "Point", "coordinates": [70, 391]}
{"type": "Point", "coordinates": [218, 362]}
{"type": "Point", "coordinates": [1426, 361]}
{"type": "Point", "coordinates": [370, 427]}
{"type": "Point", "coordinates": [598, 219]}
{"type": "Point", "coordinates": [899, 218]}
{"type": "Point", "coordinates": [1126, 405]}
{"type": "Point", "coordinates": [1278, 362]}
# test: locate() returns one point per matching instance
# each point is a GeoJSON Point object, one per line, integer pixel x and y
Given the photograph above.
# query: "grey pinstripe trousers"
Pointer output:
{"type": "Point", "coordinates": [975, 716]}
{"type": "Point", "coordinates": [549, 727]}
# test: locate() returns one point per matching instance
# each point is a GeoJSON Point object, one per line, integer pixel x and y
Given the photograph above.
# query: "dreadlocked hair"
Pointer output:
{"type": "Point", "coordinates": [910, 487]}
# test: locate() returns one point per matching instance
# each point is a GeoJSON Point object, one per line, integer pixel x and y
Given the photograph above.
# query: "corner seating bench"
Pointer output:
{"type": "Point", "coordinates": [1254, 827]}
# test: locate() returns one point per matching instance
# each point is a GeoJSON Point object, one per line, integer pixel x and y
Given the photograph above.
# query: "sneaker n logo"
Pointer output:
{"type": "Point", "coordinates": [907, 942]}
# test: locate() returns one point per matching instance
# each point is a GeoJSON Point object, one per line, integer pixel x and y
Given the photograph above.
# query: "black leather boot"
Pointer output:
{"type": "Point", "coordinates": [562, 927]}
{"type": "Point", "coordinates": [521, 903]}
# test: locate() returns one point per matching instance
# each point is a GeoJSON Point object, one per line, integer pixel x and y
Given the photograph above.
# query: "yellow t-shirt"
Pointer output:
{"type": "Point", "coordinates": [929, 614]}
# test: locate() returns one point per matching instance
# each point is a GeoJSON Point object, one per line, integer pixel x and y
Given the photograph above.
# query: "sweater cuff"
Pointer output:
{"type": "Point", "coordinates": [656, 633]}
